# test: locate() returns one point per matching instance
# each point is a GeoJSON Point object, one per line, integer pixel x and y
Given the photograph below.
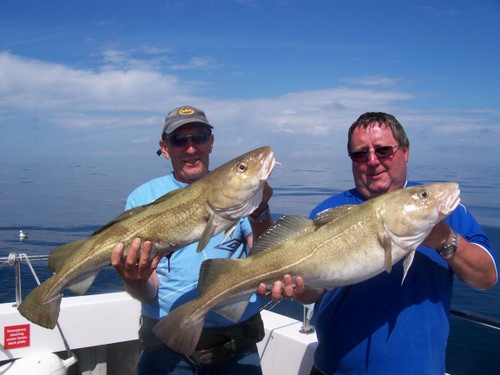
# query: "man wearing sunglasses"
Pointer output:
{"type": "Point", "coordinates": [187, 141]}
{"type": "Point", "coordinates": [381, 326]}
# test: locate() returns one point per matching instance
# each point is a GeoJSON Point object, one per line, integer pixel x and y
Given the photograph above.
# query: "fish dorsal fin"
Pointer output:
{"type": "Point", "coordinates": [332, 214]}
{"type": "Point", "coordinates": [406, 264]}
{"type": "Point", "coordinates": [135, 210]}
{"type": "Point", "coordinates": [60, 255]}
{"type": "Point", "coordinates": [211, 269]}
{"type": "Point", "coordinates": [121, 217]}
{"type": "Point", "coordinates": [208, 232]}
{"type": "Point", "coordinates": [285, 228]}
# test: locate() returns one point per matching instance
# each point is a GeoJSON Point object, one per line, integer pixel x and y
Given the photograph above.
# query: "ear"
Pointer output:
{"type": "Point", "coordinates": [164, 149]}
{"type": "Point", "coordinates": [407, 153]}
{"type": "Point", "coordinates": [211, 143]}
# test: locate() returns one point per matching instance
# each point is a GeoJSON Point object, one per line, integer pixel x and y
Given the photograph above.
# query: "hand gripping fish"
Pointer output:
{"type": "Point", "coordinates": [341, 246]}
{"type": "Point", "coordinates": [197, 212]}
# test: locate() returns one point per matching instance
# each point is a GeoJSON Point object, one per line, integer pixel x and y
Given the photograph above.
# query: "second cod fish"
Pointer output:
{"type": "Point", "coordinates": [341, 246]}
{"type": "Point", "coordinates": [195, 213]}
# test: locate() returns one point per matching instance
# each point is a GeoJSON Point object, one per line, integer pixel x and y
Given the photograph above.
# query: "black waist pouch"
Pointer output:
{"type": "Point", "coordinates": [216, 345]}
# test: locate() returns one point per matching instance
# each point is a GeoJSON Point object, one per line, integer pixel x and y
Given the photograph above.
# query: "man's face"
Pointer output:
{"type": "Point", "coordinates": [189, 155]}
{"type": "Point", "coordinates": [382, 170]}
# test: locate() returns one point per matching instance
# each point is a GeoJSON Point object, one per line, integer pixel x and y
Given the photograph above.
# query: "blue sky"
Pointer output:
{"type": "Point", "coordinates": [96, 78]}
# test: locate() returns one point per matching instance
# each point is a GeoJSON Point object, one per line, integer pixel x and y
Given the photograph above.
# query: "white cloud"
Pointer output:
{"type": "Point", "coordinates": [131, 97]}
{"type": "Point", "coordinates": [46, 86]}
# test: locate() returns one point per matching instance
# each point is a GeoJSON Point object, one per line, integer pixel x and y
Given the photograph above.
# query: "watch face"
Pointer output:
{"type": "Point", "coordinates": [449, 250]}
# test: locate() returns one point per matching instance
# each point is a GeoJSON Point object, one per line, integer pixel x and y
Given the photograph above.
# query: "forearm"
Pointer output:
{"type": "Point", "coordinates": [261, 219]}
{"type": "Point", "coordinates": [260, 222]}
{"type": "Point", "coordinates": [473, 265]}
{"type": "Point", "coordinates": [143, 290]}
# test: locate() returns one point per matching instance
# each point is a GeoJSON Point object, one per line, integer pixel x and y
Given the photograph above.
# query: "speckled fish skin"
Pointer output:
{"type": "Point", "coordinates": [197, 212]}
{"type": "Point", "coordinates": [341, 246]}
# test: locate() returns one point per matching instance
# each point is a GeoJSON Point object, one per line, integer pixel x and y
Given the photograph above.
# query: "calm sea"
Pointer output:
{"type": "Point", "coordinates": [61, 201]}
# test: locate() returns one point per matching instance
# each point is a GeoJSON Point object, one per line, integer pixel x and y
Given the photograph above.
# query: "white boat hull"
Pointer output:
{"type": "Point", "coordinates": [102, 331]}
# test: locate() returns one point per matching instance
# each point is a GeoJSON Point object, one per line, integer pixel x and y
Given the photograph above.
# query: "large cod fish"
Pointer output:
{"type": "Point", "coordinates": [341, 246]}
{"type": "Point", "coordinates": [195, 213]}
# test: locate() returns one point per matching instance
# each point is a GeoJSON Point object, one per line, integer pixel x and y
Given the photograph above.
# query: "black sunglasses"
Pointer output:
{"type": "Point", "coordinates": [383, 152]}
{"type": "Point", "coordinates": [181, 140]}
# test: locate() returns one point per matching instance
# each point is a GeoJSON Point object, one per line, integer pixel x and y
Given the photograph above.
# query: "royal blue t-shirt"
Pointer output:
{"type": "Point", "coordinates": [382, 327]}
{"type": "Point", "coordinates": [179, 279]}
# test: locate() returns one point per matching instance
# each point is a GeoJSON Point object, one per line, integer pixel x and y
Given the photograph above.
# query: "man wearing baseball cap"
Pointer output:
{"type": "Point", "coordinates": [224, 347]}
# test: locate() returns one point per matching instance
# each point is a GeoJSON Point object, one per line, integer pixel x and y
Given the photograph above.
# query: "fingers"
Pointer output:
{"type": "Point", "coordinates": [262, 289]}
{"type": "Point", "coordinates": [288, 288]}
{"type": "Point", "coordinates": [133, 253]}
{"type": "Point", "coordinates": [276, 291]}
{"type": "Point", "coordinates": [136, 265]}
{"type": "Point", "coordinates": [116, 255]}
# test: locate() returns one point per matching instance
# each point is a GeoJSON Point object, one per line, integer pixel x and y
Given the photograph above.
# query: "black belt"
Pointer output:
{"type": "Point", "coordinates": [216, 345]}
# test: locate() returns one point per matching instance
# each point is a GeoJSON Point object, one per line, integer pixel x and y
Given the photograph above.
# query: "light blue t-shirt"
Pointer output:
{"type": "Point", "coordinates": [178, 277]}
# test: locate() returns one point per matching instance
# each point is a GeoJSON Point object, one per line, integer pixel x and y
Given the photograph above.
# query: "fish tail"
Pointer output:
{"type": "Point", "coordinates": [180, 330]}
{"type": "Point", "coordinates": [37, 309]}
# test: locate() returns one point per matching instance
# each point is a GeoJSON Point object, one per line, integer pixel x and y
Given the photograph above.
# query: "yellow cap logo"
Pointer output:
{"type": "Point", "coordinates": [186, 111]}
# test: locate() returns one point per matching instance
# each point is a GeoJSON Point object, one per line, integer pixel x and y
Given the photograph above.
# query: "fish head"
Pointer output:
{"type": "Point", "coordinates": [410, 214]}
{"type": "Point", "coordinates": [236, 187]}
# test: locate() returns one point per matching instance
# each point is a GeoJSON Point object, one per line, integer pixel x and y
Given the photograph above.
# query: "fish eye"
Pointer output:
{"type": "Point", "coordinates": [424, 194]}
{"type": "Point", "coordinates": [242, 167]}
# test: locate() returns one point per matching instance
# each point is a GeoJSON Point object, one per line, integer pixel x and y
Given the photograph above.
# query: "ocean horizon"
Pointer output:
{"type": "Point", "coordinates": [60, 201]}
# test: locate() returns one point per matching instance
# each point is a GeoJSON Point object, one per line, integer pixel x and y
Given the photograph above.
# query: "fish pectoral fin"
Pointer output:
{"type": "Point", "coordinates": [62, 254]}
{"type": "Point", "coordinates": [229, 231]}
{"type": "Point", "coordinates": [81, 287]}
{"type": "Point", "coordinates": [331, 214]}
{"type": "Point", "coordinates": [386, 244]}
{"type": "Point", "coordinates": [208, 232]}
{"type": "Point", "coordinates": [283, 229]}
{"type": "Point", "coordinates": [233, 311]}
{"type": "Point", "coordinates": [406, 264]}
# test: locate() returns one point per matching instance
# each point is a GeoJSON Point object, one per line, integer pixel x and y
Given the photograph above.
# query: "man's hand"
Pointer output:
{"type": "Point", "coordinates": [136, 266]}
{"type": "Point", "coordinates": [284, 289]}
{"type": "Point", "coordinates": [136, 270]}
{"type": "Point", "coordinates": [439, 236]}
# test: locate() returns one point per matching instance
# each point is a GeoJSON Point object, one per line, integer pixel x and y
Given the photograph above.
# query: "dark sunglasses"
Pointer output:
{"type": "Point", "coordinates": [181, 140]}
{"type": "Point", "coordinates": [383, 152]}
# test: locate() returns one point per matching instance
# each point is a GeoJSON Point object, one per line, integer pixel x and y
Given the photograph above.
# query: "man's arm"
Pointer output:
{"type": "Point", "coordinates": [471, 263]}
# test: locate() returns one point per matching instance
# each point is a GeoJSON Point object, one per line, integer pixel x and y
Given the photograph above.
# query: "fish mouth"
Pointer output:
{"type": "Point", "coordinates": [449, 204]}
{"type": "Point", "coordinates": [267, 167]}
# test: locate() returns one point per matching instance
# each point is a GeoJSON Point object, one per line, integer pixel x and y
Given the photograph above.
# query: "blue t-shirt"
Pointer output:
{"type": "Point", "coordinates": [178, 277]}
{"type": "Point", "coordinates": [382, 327]}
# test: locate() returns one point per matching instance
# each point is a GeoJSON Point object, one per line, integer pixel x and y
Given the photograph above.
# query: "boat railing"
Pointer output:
{"type": "Point", "coordinates": [15, 260]}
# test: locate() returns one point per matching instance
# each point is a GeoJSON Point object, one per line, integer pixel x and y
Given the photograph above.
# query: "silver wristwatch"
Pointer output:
{"type": "Point", "coordinates": [450, 249]}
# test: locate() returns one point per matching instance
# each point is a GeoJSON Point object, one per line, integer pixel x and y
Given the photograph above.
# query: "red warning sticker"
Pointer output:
{"type": "Point", "coordinates": [16, 336]}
